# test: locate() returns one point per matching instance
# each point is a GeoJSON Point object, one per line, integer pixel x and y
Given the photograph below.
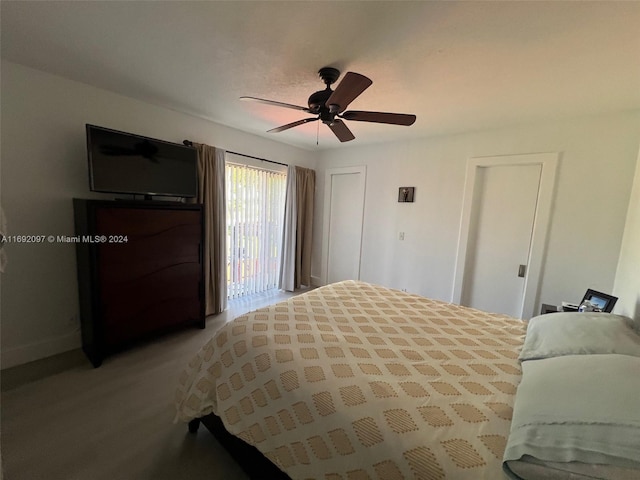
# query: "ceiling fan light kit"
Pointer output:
{"type": "Point", "coordinates": [330, 105]}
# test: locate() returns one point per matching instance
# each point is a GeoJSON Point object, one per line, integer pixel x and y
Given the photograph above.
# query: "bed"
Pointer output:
{"type": "Point", "coordinates": [356, 381]}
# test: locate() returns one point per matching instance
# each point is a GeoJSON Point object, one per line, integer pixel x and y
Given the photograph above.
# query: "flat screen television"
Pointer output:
{"type": "Point", "coordinates": [121, 162]}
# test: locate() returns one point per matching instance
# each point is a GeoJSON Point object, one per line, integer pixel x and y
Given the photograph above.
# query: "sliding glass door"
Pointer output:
{"type": "Point", "coordinates": [255, 212]}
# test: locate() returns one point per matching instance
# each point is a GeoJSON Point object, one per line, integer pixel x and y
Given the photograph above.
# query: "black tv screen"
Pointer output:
{"type": "Point", "coordinates": [121, 162]}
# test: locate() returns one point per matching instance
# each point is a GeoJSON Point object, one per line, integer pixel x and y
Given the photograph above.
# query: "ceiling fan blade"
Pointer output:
{"type": "Point", "coordinates": [341, 131]}
{"type": "Point", "coordinates": [380, 117]}
{"type": "Point", "coordinates": [291, 125]}
{"type": "Point", "coordinates": [352, 85]}
{"type": "Point", "coordinates": [274, 103]}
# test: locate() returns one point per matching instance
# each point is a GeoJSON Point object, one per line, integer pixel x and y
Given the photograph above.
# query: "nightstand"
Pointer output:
{"type": "Point", "coordinates": [547, 308]}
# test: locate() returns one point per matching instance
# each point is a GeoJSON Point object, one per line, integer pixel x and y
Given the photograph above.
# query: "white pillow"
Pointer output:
{"type": "Point", "coordinates": [576, 333]}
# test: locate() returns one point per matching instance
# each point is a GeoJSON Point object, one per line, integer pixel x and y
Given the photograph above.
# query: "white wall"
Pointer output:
{"type": "Point", "coordinates": [44, 166]}
{"type": "Point", "coordinates": [597, 161]}
{"type": "Point", "coordinates": [627, 282]}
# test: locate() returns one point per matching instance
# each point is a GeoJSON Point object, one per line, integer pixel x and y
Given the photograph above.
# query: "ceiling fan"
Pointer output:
{"type": "Point", "coordinates": [330, 105]}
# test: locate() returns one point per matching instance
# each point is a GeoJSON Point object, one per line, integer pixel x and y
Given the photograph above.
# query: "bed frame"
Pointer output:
{"type": "Point", "coordinates": [254, 464]}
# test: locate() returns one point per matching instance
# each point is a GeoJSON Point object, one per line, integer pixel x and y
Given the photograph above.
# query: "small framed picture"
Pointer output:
{"type": "Point", "coordinates": [405, 194]}
{"type": "Point", "coordinates": [600, 300]}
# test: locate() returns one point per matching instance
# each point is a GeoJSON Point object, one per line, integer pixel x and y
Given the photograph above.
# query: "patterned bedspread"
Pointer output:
{"type": "Point", "coordinates": [355, 381]}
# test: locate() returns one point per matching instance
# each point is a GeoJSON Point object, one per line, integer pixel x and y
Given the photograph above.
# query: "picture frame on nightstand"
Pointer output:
{"type": "Point", "coordinates": [600, 300]}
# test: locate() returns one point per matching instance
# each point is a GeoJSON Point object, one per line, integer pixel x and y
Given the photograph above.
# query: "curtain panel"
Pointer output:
{"type": "Point", "coordinates": [295, 268]}
{"type": "Point", "coordinates": [305, 191]}
{"type": "Point", "coordinates": [211, 193]}
{"type": "Point", "coordinates": [288, 258]}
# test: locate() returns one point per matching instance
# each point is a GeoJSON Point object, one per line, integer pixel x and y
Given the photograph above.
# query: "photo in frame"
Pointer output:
{"type": "Point", "coordinates": [600, 300]}
{"type": "Point", "coordinates": [406, 194]}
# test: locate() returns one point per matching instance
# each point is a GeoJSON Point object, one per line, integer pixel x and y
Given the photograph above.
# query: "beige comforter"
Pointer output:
{"type": "Point", "coordinates": [355, 381]}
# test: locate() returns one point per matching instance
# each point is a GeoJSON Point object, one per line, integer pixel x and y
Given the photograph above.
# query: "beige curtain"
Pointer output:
{"type": "Point", "coordinates": [305, 192]}
{"type": "Point", "coordinates": [289, 235]}
{"type": "Point", "coordinates": [211, 194]}
{"type": "Point", "coordinates": [295, 264]}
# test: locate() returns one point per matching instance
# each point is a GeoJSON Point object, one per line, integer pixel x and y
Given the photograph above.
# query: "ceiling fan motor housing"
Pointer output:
{"type": "Point", "coordinates": [317, 106]}
{"type": "Point", "coordinates": [318, 99]}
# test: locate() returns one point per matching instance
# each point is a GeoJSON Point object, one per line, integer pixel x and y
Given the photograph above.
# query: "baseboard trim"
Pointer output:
{"type": "Point", "coordinates": [12, 357]}
{"type": "Point", "coordinates": [30, 372]}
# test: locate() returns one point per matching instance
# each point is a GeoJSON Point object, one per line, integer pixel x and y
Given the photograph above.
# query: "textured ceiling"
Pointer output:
{"type": "Point", "coordinates": [458, 66]}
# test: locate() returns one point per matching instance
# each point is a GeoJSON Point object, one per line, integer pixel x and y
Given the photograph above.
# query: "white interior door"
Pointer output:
{"type": "Point", "coordinates": [469, 225]}
{"type": "Point", "coordinates": [503, 215]}
{"type": "Point", "coordinates": [344, 209]}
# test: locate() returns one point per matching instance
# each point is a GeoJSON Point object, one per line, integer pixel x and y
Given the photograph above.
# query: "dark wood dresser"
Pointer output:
{"type": "Point", "coordinates": [140, 271]}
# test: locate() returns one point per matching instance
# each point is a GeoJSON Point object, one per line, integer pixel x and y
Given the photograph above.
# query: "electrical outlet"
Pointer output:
{"type": "Point", "coordinates": [401, 236]}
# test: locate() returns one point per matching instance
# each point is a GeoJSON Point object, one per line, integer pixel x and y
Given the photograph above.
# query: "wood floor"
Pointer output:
{"type": "Point", "coordinates": [116, 421]}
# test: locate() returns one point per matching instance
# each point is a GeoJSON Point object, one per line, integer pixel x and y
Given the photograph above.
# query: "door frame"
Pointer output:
{"type": "Point", "coordinates": [326, 235]}
{"type": "Point", "coordinates": [549, 164]}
